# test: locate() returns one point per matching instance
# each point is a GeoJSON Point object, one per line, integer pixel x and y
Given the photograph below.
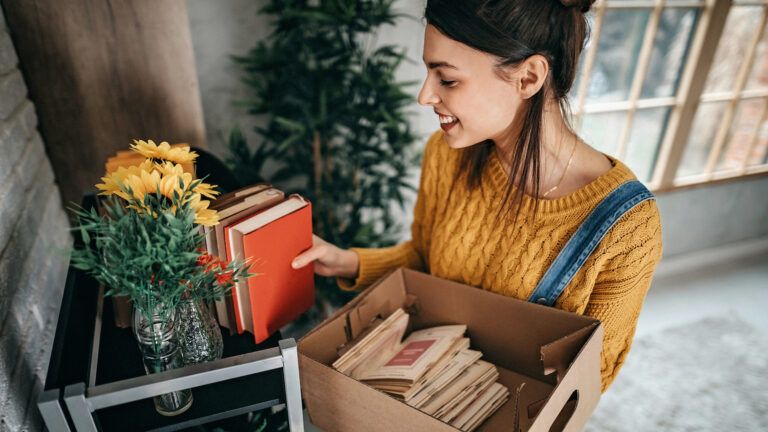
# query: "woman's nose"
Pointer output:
{"type": "Point", "coordinates": [426, 95]}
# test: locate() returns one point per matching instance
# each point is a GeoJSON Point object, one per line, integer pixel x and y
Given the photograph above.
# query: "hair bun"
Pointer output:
{"type": "Point", "coordinates": [583, 5]}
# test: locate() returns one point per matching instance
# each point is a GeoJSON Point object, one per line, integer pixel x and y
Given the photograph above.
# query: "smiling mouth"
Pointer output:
{"type": "Point", "coordinates": [448, 122]}
{"type": "Point", "coordinates": [446, 119]}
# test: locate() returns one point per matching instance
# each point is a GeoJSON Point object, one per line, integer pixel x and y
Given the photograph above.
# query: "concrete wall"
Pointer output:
{"type": "Point", "coordinates": [33, 234]}
{"type": "Point", "coordinates": [693, 219]}
{"type": "Point", "coordinates": [710, 216]}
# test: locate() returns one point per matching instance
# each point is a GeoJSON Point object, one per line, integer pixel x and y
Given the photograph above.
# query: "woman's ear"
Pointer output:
{"type": "Point", "coordinates": [531, 75]}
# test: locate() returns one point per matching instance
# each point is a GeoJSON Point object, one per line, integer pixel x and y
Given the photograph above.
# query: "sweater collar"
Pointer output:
{"type": "Point", "coordinates": [587, 196]}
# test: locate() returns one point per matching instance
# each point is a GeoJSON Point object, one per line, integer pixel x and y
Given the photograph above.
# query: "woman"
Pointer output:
{"type": "Point", "coordinates": [506, 182]}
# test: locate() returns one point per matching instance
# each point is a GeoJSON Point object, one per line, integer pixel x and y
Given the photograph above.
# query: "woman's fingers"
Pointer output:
{"type": "Point", "coordinates": [322, 253]}
{"type": "Point", "coordinates": [304, 258]}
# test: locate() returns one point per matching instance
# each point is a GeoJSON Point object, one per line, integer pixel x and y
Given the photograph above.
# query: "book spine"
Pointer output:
{"type": "Point", "coordinates": [234, 297]}
{"type": "Point", "coordinates": [225, 312]}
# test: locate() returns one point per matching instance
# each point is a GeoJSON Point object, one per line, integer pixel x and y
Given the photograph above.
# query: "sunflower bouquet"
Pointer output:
{"type": "Point", "coordinates": [148, 245]}
{"type": "Point", "coordinates": [148, 242]}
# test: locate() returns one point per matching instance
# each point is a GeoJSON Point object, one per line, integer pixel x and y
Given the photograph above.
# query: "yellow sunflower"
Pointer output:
{"type": "Point", "coordinates": [114, 181]}
{"type": "Point", "coordinates": [206, 190]}
{"type": "Point", "coordinates": [164, 151]}
{"type": "Point", "coordinates": [171, 169]}
{"type": "Point", "coordinates": [143, 184]}
{"type": "Point", "coordinates": [159, 173]}
{"type": "Point", "coordinates": [203, 215]}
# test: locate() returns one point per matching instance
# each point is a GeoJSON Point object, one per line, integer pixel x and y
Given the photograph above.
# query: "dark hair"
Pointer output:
{"type": "Point", "coordinates": [514, 30]}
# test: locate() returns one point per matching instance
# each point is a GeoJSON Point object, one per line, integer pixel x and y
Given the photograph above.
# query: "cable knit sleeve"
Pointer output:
{"type": "Point", "coordinates": [620, 288]}
{"type": "Point", "coordinates": [375, 262]}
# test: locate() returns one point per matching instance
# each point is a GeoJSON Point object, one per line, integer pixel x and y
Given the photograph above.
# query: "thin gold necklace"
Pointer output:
{"type": "Point", "coordinates": [570, 159]}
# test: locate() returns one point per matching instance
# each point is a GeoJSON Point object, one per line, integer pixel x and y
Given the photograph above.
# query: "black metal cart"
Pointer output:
{"type": "Point", "coordinates": [96, 380]}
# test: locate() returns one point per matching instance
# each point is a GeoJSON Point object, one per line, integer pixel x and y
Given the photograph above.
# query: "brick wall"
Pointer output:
{"type": "Point", "coordinates": [33, 241]}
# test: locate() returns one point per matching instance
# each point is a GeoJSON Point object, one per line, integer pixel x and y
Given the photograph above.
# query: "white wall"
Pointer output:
{"type": "Point", "coordinates": [221, 29]}
{"type": "Point", "coordinates": [692, 219]}
{"type": "Point", "coordinates": [709, 216]}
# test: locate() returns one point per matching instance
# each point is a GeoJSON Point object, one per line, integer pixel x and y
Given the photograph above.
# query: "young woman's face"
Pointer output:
{"type": "Point", "coordinates": [461, 83]}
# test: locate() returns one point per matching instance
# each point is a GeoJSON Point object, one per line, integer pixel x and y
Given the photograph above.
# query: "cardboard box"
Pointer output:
{"type": "Point", "coordinates": [556, 354]}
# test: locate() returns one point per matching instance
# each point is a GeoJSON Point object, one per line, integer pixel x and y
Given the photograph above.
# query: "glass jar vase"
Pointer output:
{"type": "Point", "coordinates": [199, 334]}
{"type": "Point", "coordinates": [160, 351]}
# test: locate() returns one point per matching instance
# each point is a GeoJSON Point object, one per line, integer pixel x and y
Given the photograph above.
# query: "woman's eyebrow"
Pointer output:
{"type": "Point", "coordinates": [439, 64]}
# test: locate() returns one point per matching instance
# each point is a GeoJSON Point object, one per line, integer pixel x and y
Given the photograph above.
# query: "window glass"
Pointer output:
{"type": "Point", "coordinates": [644, 142]}
{"type": "Point", "coordinates": [758, 77]}
{"type": "Point", "coordinates": [702, 133]}
{"type": "Point", "coordinates": [739, 140]}
{"type": "Point", "coordinates": [670, 49]}
{"type": "Point", "coordinates": [620, 41]}
{"type": "Point", "coordinates": [741, 25]}
{"type": "Point", "coordinates": [602, 131]}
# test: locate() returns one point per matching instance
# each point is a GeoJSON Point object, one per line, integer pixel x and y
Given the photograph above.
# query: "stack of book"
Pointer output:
{"type": "Point", "coordinates": [258, 224]}
{"type": "Point", "coordinates": [433, 370]}
{"type": "Point", "coordinates": [262, 226]}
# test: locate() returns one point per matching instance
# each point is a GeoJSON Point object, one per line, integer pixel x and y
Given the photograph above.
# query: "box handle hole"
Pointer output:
{"type": "Point", "coordinates": [566, 413]}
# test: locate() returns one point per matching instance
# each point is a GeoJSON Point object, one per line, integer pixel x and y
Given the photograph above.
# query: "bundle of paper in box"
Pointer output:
{"type": "Point", "coordinates": [433, 370]}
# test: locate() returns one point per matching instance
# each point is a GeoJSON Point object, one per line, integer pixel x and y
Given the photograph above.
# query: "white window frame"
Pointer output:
{"type": "Point", "coordinates": [683, 105]}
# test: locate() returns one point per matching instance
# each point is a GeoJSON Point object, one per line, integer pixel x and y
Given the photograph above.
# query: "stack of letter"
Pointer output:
{"type": "Point", "coordinates": [433, 370]}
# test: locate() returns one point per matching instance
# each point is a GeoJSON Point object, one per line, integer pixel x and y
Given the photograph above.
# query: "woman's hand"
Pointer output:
{"type": "Point", "coordinates": [329, 259]}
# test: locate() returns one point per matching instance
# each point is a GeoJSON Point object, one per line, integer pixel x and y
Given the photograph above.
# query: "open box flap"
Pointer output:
{"type": "Point", "coordinates": [557, 356]}
{"type": "Point", "coordinates": [369, 314]}
{"type": "Point", "coordinates": [578, 384]}
{"type": "Point", "coordinates": [371, 309]}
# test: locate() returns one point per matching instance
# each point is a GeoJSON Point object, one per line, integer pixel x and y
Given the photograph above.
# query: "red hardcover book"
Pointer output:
{"type": "Point", "coordinates": [270, 240]}
{"type": "Point", "coordinates": [217, 242]}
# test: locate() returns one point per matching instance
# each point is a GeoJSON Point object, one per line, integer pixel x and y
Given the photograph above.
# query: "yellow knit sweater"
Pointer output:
{"type": "Point", "coordinates": [452, 237]}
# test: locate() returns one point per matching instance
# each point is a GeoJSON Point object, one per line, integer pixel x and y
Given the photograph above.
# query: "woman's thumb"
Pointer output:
{"type": "Point", "coordinates": [305, 258]}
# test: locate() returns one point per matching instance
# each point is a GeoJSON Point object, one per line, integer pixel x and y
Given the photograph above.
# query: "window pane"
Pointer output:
{"type": "Point", "coordinates": [739, 138]}
{"type": "Point", "coordinates": [702, 134]}
{"type": "Point", "coordinates": [739, 29]}
{"type": "Point", "coordinates": [647, 131]}
{"type": "Point", "coordinates": [620, 41]}
{"type": "Point", "coordinates": [602, 131]}
{"type": "Point", "coordinates": [759, 153]}
{"type": "Point", "coordinates": [758, 78]}
{"type": "Point", "coordinates": [670, 48]}
{"type": "Point", "coordinates": [764, 142]}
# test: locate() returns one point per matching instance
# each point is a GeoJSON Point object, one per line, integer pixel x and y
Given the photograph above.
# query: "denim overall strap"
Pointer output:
{"type": "Point", "coordinates": [586, 238]}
